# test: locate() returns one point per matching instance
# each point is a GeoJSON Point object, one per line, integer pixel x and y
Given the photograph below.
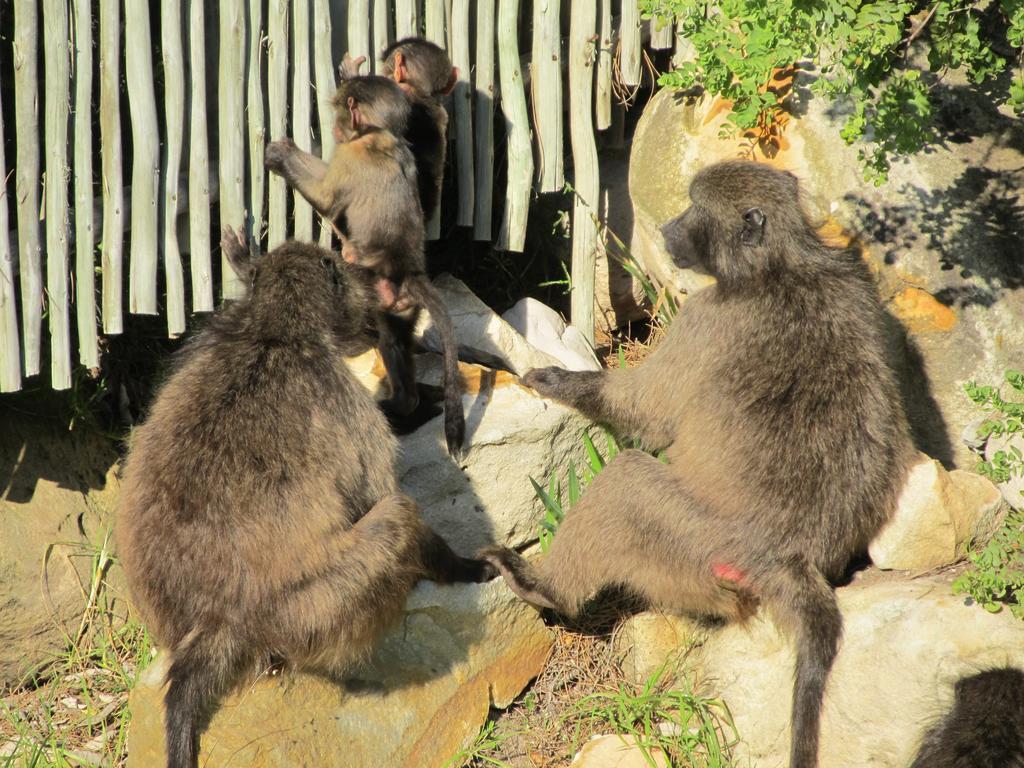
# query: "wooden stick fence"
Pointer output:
{"type": "Point", "coordinates": [272, 72]}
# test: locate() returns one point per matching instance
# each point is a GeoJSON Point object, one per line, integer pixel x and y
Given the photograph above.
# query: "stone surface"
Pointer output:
{"type": "Point", "coordinates": [943, 235]}
{"type": "Point", "coordinates": [617, 752]}
{"type": "Point", "coordinates": [544, 328]}
{"type": "Point", "coordinates": [483, 337]}
{"type": "Point", "coordinates": [905, 643]}
{"type": "Point", "coordinates": [458, 651]}
{"type": "Point", "coordinates": [939, 513]}
{"type": "Point", "coordinates": [57, 489]}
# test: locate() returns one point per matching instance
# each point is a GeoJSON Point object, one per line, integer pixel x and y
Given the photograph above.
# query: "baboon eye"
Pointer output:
{"type": "Point", "coordinates": [325, 262]}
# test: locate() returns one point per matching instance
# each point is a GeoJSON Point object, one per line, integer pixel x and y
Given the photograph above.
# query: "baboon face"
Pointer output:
{"type": "Point", "coordinates": [739, 222]}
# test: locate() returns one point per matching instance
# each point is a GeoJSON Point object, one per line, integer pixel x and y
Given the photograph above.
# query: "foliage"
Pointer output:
{"type": "Point", "coordinates": [861, 51]}
{"type": "Point", "coordinates": [1004, 418]}
{"type": "Point", "coordinates": [554, 508]}
{"type": "Point", "coordinates": [996, 576]}
{"type": "Point", "coordinates": [663, 305]}
{"type": "Point", "coordinates": [690, 729]}
{"type": "Point", "coordinates": [479, 753]}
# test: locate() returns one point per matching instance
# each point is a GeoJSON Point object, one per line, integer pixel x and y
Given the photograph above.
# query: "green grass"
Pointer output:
{"type": "Point", "coordinates": [480, 752]}
{"type": "Point", "coordinates": [73, 711]}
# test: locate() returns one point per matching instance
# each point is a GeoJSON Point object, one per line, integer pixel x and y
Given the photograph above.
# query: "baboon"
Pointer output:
{"type": "Point", "coordinates": [786, 442]}
{"type": "Point", "coordinates": [984, 728]}
{"type": "Point", "coordinates": [368, 190]}
{"type": "Point", "coordinates": [423, 70]}
{"type": "Point", "coordinates": [261, 516]}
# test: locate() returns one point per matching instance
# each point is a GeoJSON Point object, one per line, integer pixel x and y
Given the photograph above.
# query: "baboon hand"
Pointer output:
{"type": "Point", "coordinates": [349, 67]}
{"type": "Point", "coordinates": [546, 381]}
{"type": "Point", "coordinates": [233, 243]}
{"type": "Point", "coordinates": [277, 154]}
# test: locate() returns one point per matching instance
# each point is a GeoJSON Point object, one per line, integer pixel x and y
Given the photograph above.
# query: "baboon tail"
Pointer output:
{"type": "Point", "coordinates": [806, 603]}
{"type": "Point", "coordinates": [426, 295]}
{"type": "Point", "coordinates": [195, 681]}
{"type": "Point", "coordinates": [520, 576]}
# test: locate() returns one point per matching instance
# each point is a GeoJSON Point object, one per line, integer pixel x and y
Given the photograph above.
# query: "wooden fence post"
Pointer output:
{"type": "Point", "coordinates": [586, 182]}
{"type": "Point", "coordinates": [512, 234]}
{"type": "Point", "coordinates": [433, 19]}
{"type": "Point", "coordinates": [112, 257]}
{"type": "Point", "coordinates": [85, 267]}
{"type": "Point", "coordinates": [10, 354]}
{"type": "Point", "coordinates": [484, 116]}
{"type": "Point", "coordinates": [381, 33]}
{"type": "Point", "coordinates": [323, 67]}
{"type": "Point", "coordinates": [174, 120]}
{"type": "Point", "coordinates": [407, 19]}
{"type": "Point", "coordinates": [257, 120]}
{"type": "Point", "coordinates": [463, 111]}
{"type": "Point", "coordinates": [546, 87]}
{"type": "Point", "coordinates": [277, 94]}
{"type": "Point", "coordinates": [26, 178]}
{"type": "Point", "coordinates": [230, 106]}
{"type": "Point", "coordinates": [57, 92]}
{"type": "Point", "coordinates": [629, 43]}
{"type": "Point", "coordinates": [661, 33]}
{"type": "Point", "coordinates": [605, 55]}
{"type": "Point", "coordinates": [303, 211]}
{"type": "Point", "coordinates": [199, 165]}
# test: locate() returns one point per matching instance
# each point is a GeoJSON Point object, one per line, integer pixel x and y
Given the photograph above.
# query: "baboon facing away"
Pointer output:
{"type": "Point", "coordinates": [261, 517]}
{"type": "Point", "coordinates": [369, 192]}
{"type": "Point", "coordinates": [985, 727]}
{"type": "Point", "coordinates": [786, 442]}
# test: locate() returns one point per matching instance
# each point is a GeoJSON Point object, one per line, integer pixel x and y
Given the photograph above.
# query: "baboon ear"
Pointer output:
{"type": "Point", "coordinates": [354, 113]}
{"type": "Point", "coordinates": [753, 227]}
{"type": "Point", "coordinates": [401, 73]}
{"type": "Point", "coordinates": [453, 78]}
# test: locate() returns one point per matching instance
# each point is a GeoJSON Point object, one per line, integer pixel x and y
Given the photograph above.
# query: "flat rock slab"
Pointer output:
{"type": "Point", "coordinates": [424, 695]}
{"type": "Point", "coordinates": [905, 643]}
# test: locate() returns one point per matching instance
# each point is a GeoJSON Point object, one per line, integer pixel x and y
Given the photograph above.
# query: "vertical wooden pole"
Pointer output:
{"type": "Point", "coordinates": [407, 18]}
{"type": "Point", "coordinates": [586, 182]}
{"type": "Point", "coordinates": [323, 67]}
{"type": "Point", "coordinates": [174, 119]}
{"type": "Point", "coordinates": [359, 31]}
{"type": "Point", "coordinates": [257, 121]}
{"type": "Point", "coordinates": [10, 353]}
{"type": "Point", "coordinates": [57, 92]}
{"type": "Point", "coordinates": [26, 177]}
{"type": "Point", "coordinates": [111, 156]}
{"type": "Point", "coordinates": [546, 88]}
{"type": "Point", "coordinates": [138, 67]}
{"type": "Point", "coordinates": [513, 104]}
{"type": "Point", "coordinates": [434, 18]}
{"type": "Point", "coordinates": [661, 32]}
{"type": "Point", "coordinates": [85, 268]}
{"type": "Point", "coordinates": [230, 106]}
{"type": "Point", "coordinates": [277, 93]}
{"type": "Point", "coordinates": [484, 115]}
{"type": "Point", "coordinates": [629, 43]}
{"type": "Point", "coordinates": [381, 32]}
{"type": "Point", "coordinates": [605, 54]}
{"type": "Point", "coordinates": [199, 166]}
{"type": "Point", "coordinates": [463, 111]}
{"type": "Point", "coordinates": [303, 211]}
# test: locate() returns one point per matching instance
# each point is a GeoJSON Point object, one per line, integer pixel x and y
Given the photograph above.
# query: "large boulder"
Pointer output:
{"type": "Point", "coordinates": [457, 652]}
{"type": "Point", "coordinates": [943, 235]}
{"type": "Point", "coordinates": [57, 491]}
{"type": "Point", "coordinates": [905, 643]}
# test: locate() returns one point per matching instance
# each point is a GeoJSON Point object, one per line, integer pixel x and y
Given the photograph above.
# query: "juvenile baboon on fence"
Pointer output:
{"type": "Point", "coordinates": [786, 441]}
{"type": "Point", "coordinates": [369, 192]}
{"type": "Point", "coordinates": [261, 516]}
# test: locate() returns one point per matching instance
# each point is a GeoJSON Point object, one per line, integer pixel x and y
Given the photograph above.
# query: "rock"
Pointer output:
{"type": "Point", "coordinates": [57, 489]}
{"type": "Point", "coordinates": [512, 434]}
{"type": "Point", "coordinates": [943, 235]}
{"type": "Point", "coordinates": [617, 752]}
{"type": "Point", "coordinates": [458, 651]}
{"type": "Point", "coordinates": [938, 514]}
{"type": "Point", "coordinates": [544, 328]}
{"type": "Point", "coordinates": [904, 645]}
{"type": "Point", "coordinates": [483, 337]}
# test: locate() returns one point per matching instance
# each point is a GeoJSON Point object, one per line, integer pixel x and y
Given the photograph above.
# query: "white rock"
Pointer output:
{"type": "Point", "coordinates": [939, 513]}
{"type": "Point", "coordinates": [544, 328]}
{"type": "Point", "coordinates": [617, 752]}
{"type": "Point", "coordinates": [905, 643]}
{"type": "Point", "coordinates": [483, 337]}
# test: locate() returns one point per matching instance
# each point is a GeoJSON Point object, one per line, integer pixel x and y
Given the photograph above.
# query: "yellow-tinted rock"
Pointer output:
{"type": "Point", "coordinates": [457, 651]}
{"type": "Point", "coordinates": [921, 312]}
{"type": "Point", "coordinates": [618, 752]}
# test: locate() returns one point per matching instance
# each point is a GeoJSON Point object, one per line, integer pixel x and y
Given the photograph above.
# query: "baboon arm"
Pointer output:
{"type": "Point", "coordinates": [310, 176]}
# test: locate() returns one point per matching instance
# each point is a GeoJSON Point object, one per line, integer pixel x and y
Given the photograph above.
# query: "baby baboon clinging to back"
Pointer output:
{"type": "Point", "coordinates": [785, 437]}
{"type": "Point", "coordinates": [261, 515]}
{"type": "Point", "coordinates": [985, 727]}
{"type": "Point", "coordinates": [368, 190]}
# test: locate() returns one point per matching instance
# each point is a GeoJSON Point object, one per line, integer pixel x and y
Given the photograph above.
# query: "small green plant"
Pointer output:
{"type": "Point", "coordinates": [663, 305]}
{"type": "Point", "coordinates": [554, 508]}
{"type": "Point", "coordinates": [1003, 418]}
{"type": "Point", "coordinates": [691, 730]}
{"type": "Point", "coordinates": [479, 753]}
{"type": "Point", "coordinates": [996, 577]}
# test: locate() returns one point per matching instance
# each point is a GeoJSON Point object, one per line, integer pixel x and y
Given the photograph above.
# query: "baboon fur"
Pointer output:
{"type": "Point", "coordinates": [783, 428]}
{"type": "Point", "coordinates": [261, 516]}
{"type": "Point", "coordinates": [984, 728]}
